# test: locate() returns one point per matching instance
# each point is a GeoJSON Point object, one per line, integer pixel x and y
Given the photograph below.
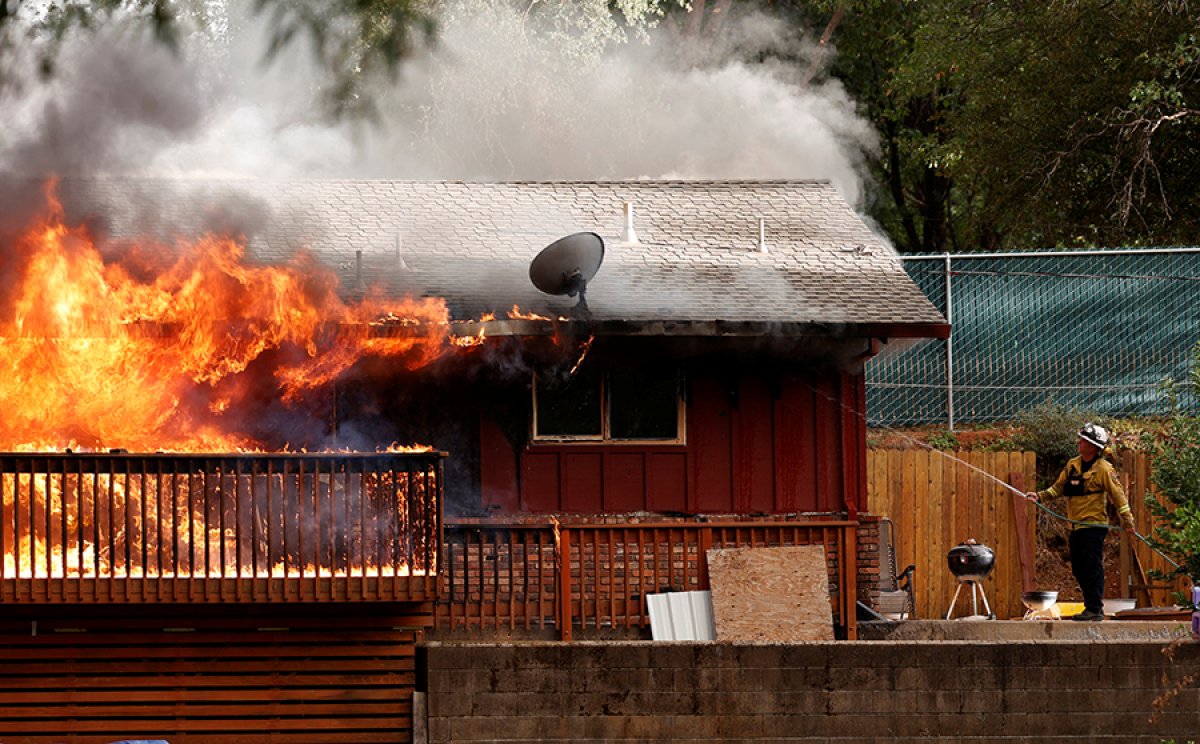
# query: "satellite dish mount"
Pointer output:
{"type": "Point", "coordinates": [567, 265]}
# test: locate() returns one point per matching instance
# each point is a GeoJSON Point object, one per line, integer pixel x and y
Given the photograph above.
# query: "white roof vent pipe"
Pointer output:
{"type": "Point", "coordinates": [400, 253]}
{"type": "Point", "coordinates": [628, 234]}
{"type": "Point", "coordinates": [359, 284]}
{"type": "Point", "coordinates": [761, 246]}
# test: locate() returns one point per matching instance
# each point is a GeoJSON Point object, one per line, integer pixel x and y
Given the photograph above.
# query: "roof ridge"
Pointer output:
{"type": "Point", "coordinates": [468, 182]}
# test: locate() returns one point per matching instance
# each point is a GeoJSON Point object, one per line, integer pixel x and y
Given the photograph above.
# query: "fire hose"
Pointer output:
{"type": "Point", "coordinates": [1105, 525]}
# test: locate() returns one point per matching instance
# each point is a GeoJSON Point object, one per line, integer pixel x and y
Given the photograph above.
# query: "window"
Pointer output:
{"type": "Point", "coordinates": [614, 406]}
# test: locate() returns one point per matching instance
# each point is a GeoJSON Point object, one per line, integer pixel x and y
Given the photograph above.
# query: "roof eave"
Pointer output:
{"type": "Point", "coordinates": [703, 328]}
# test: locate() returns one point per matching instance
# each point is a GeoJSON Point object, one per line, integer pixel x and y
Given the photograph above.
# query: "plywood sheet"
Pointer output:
{"type": "Point", "coordinates": [778, 595]}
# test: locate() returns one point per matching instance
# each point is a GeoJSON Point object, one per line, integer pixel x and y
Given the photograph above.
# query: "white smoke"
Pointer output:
{"type": "Point", "coordinates": [495, 98]}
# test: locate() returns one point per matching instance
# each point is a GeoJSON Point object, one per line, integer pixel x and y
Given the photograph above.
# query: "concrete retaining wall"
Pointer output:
{"type": "Point", "coordinates": [822, 692]}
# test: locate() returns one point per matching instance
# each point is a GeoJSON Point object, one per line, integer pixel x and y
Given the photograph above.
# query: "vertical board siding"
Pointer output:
{"type": "Point", "coordinates": [625, 488]}
{"type": "Point", "coordinates": [754, 445]}
{"type": "Point", "coordinates": [937, 500]}
{"type": "Point", "coordinates": [582, 481]}
{"type": "Point", "coordinates": [753, 450]}
{"type": "Point", "coordinates": [497, 468]}
{"type": "Point", "coordinates": [540, 482]}
{"type": "Point", "coordinates": [710, 450]}
{"type": "Point", "coordinates": [666, 480]}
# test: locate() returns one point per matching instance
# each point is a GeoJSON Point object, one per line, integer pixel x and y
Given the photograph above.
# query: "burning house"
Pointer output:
{"type": "Point", "coordinates": [228, 402]}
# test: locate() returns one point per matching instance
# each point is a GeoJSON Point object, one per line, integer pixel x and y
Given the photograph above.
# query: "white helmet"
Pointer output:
{"type": "Point", "coordinates": [1094, 434]}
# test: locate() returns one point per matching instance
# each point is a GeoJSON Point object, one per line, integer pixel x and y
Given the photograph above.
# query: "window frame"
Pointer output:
{"type": "Point", "coordinates": [605, 437]}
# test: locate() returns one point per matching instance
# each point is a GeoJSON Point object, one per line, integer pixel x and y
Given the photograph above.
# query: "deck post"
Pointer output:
{"type": "Point", "coordinates": [564, 584]}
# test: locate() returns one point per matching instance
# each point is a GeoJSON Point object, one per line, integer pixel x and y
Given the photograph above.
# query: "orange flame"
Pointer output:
{"type": "Point", "coordinates": [516, 314]}
{"type": "Point", "coordinates": [94, 354]}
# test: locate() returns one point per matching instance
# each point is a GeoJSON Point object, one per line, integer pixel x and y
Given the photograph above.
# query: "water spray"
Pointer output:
{"type": "Point", "coordinates": [989, 476]}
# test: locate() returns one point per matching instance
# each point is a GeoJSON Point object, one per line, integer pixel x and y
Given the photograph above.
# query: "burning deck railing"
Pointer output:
{"type": "Point", "coordinates": [219, 528]}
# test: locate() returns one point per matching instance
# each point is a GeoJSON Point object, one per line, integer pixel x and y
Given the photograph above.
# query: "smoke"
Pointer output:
{"type": "Point", "coordinates": [500, 95]}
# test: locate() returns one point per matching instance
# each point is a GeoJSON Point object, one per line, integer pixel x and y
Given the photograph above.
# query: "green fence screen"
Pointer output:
{"type": "Point", "coordinates": [1097, 330]}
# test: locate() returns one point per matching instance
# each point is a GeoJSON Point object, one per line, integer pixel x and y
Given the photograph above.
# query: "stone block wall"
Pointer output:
{"type": "Point", "coordinates": [989, 692]}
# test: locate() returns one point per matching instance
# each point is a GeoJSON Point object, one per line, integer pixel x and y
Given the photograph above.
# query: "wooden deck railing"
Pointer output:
{"type": "Point", "coordinates": [118, 527]}
{"type": "Point", "coordinates": [514, 576]}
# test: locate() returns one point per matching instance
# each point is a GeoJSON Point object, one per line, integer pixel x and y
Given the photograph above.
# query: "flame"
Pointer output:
{"type": "Point", "coordinates": [117, 525]}
{"type": "Point", "coordinates": [96, 354]}
{"type": "Point", "coordinates": [516, 314]}
{"type": "Point", "coordinates": [467, 342]}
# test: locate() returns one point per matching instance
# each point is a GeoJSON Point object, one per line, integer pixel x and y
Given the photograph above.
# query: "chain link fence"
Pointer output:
{"type": "Point", "coordinates": [1096, 330]}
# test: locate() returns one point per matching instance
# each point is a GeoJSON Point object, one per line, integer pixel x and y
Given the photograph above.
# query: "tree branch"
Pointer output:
{"type": "Point", "coordinates": [822, 46]}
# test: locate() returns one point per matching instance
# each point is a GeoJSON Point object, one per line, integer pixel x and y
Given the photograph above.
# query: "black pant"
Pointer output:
{"type": "Point", "coordinates": [1087, 563]}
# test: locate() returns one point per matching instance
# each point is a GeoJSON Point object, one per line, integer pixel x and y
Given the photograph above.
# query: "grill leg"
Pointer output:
{"type": "Point", "coordinates": [985, 602]}
{"type": "Point", "coordinates": [950, 611]}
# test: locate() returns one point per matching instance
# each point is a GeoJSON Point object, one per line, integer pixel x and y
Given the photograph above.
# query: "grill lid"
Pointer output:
{"type": "Point", "coordinates": [971, 561]}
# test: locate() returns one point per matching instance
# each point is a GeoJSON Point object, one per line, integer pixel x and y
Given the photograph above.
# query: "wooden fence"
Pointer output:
{"type": "Point", "coordinates": [1135, 469]}
{"type": "Point", "coordinates": [936, 500]}
{"type": "Point", "coordinates": [568, 577]}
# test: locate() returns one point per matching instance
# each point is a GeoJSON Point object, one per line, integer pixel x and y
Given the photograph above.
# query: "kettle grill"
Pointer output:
{"type": "Point", "coordinates": [971, 563]}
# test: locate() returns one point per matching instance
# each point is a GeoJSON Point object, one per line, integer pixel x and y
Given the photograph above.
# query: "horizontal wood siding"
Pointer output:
{"type": "Point", "coordinates": [293, 680]}
{"type": "Point", "coordinates": [756, 444]}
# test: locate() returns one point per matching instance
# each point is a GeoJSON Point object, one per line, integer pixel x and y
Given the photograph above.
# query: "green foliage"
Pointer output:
{"type": "Point", "coordinates": [943, 440]}
{"type": "Point", "coordinates": [1003, 444]}
{"type": "Point", "coordinates": [356, 41]}
{"type": "Point", "coordinates": [1030, 124]}
{"type": "Point", "coordinates": [1176, 476]}
{"type": "Point", "coordinates": [1052, 431]}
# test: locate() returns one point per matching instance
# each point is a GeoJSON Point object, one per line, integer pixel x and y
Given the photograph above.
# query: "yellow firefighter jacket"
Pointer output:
{"type": "Point", "coordinates": [1088, 491]}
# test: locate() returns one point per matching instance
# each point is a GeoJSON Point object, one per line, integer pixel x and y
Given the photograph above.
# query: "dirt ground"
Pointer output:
{"type": "Point", "coordinates": [1051, 552]}
{"type": "Point", "coordinates": [1054, 564]}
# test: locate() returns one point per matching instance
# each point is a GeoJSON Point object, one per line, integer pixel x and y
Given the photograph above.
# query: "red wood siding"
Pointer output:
{"type": "Point", "coordinates": [625, 482]}
{"type": "Point", "coordinates": [755, 444]}
{"type": "Point", "coordinates": [96, 677]}
{"type": "Point", "coordinates": [497, 468]}
{"type": "Point", "coordinates": [710, 450]}
{"type": "Point", "coordinates": [666, 480]}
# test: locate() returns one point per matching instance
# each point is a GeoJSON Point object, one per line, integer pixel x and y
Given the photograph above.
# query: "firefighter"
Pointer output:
{"type": "Point", "coordinates": [1090, 483]}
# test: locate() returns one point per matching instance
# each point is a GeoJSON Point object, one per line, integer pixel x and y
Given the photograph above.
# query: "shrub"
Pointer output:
{"type": "Point", "coordinates": [943, 440]}
{"type": "Point", "coordinates": [1052, 431]}
{"type": "Point", "coordinates": [1176, 476]}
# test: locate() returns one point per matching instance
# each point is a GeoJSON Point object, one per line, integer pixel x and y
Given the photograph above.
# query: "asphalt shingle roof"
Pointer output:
{"type": "Point", "coordinates": [471, 243]}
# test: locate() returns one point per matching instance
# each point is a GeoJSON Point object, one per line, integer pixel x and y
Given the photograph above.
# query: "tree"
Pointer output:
{"type": "Point", "coordinates": [1053, 123]}
{"type": "Point", "coordinates": [354, 41]}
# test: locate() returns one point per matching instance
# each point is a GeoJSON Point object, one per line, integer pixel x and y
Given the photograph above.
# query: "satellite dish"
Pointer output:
{"type": "Point", "coordinates": [566, 266]}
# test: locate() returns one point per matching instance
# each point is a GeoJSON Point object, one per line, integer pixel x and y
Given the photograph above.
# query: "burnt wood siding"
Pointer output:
{"type": "Point", "coordinates": [755, 444]}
